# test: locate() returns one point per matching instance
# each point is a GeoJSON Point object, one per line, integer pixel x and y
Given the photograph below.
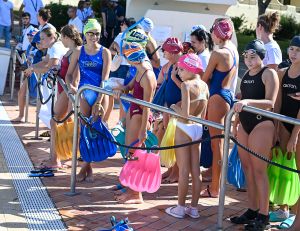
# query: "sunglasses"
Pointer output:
{"type": "Point", "coordinates": [97, 34]}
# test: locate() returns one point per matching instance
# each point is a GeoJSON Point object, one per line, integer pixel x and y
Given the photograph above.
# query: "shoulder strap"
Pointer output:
{"type": "Point", "coordinates": [233, 56]}
{"type": "Point", "coordinates": [143, 75]}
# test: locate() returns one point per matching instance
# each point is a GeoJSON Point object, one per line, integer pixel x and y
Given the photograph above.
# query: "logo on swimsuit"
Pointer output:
{"type": "Point", "coordinates": [288, 85]}
{"type": "Point", "coordinates": [89, 64]}
{"type": "Point", "coordinates": [248, 81]}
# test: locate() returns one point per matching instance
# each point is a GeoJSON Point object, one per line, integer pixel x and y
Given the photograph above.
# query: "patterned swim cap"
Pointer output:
{"type": "Point", "coordinates": [136, 36]}
{"type": "Point", "coordinates": [223, 29]}
{"type": "Point", "coordinates": [134, 52]}
{"type": "Point", "coordinates": [191, 63]}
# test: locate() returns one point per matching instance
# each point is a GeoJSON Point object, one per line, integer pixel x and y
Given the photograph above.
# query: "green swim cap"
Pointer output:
{"type": "Point", "coordinates": [92, 24]}
{"type": "Point", "coordinates": [136, 36]}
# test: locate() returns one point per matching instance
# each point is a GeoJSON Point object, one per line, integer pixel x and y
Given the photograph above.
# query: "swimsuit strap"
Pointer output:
{"type": "Point", "coordinates": [233, 56]}
{"type": "Point", "coordinates": [143, 75]}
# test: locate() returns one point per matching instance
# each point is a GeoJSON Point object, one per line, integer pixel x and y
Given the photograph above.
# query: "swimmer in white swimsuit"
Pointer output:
{"type": "Point", "coordinates": [194, 94]}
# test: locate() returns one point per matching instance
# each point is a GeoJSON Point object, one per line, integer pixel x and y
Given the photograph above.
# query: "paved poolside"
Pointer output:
{"type": "Point", "coordinates": [92, 208]}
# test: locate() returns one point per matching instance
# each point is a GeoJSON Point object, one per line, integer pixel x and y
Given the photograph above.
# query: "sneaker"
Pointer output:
{"type": "Point", "coordinates": [279, 215]}
{"type": "Point", "coordinates": [259, 224]}
{"type": "Point", "coordinates": [245, 218]}
{"type": "Point", "coordinates": [32, 102]}
{"type": "Point", "coordinates": [192, 212]}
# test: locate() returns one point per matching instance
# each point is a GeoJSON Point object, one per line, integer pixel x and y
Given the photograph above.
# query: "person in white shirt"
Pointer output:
{"type": "Point", "coordinates": [27, 27]}
{"type": "Point", "coordinates": [203, 45]}
{"type": "Point", "coordinates": [43, 17]}
{"type": "Point", "coordinates": [6, 20]}
{"type": "Point", "coordinates": [267, 24]}
{"type": "Point", "coordinates": [32, 7]}
{"type": "Point", "coordinates": [74, 20]}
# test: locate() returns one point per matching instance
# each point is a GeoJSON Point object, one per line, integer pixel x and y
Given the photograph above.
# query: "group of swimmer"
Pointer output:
{"type": "Point", "coordinates": [200, 79]}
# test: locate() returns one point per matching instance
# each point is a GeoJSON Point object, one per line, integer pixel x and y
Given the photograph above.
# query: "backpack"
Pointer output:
{"type": "Point", "coordinates": [111, 19]}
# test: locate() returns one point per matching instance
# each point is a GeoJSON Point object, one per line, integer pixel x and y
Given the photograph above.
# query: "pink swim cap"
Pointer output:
{"type": "Point", "coordinates": [223, 29]}
{"type": "Point", "coordinates": [191, 63]}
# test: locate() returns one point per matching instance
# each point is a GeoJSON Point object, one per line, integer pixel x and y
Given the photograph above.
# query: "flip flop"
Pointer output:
{"type": "Point", "coordinates": [42, 170]}
{"type": "Point", "coordinates": [42, 174]}
{"type": "Point", "coordinates": [287, 223]}
{"type": "Point", "coordinates": [169, 211]}
{"type": "Point", "coordinates": [45, 134]}
{"type": "Point", "coordinates": [208, 194]}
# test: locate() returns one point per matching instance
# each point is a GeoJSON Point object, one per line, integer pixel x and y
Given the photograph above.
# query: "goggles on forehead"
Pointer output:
{"type": "Point", "coordinates": [249, 52]}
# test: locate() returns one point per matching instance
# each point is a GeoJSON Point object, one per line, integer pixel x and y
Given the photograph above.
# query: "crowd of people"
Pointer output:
{"type": "Point", "coordinates": [199, 79]}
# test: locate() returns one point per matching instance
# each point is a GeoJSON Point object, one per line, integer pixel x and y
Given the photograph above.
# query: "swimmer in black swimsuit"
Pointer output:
{"type": "Point", "coordinates": [259, 89]}
{"type": "Point", "coordinates": [287, 104]}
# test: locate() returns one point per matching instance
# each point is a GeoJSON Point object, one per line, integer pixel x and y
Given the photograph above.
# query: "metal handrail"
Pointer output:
{"type": "Point", "coordinates": [130, 99]}
{"type": "Point", "coordinates": [228, 120]}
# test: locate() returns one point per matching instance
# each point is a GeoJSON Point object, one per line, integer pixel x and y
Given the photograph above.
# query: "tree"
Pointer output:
{"type": "Point", "coordinates": [262, 6]}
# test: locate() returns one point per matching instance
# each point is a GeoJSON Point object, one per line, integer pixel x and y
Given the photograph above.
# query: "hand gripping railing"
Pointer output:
{"type": "Point", "coordinates": [130, 99]}
{"type": "Point", "coordinates": [254, 110]}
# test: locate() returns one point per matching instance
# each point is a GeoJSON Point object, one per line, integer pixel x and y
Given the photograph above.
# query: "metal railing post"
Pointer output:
{"type": "Point", "coordinates": [27, 100]}
{"type": "Point", "coordinates": [75, 146]}
{"type": "Point", "coordinates": [224, 169]}
{"type": "Point", "coordinates": [12, 74]}
{"type": "Point", "coordinates": [38, 107]}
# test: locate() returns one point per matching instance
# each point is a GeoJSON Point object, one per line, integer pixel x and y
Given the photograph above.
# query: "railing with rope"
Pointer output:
{"type": "Point", "coordinates": [227, 135]}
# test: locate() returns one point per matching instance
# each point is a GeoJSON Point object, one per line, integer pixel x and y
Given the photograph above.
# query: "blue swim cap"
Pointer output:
{"type": "Point", "coordinates": [295, 41]}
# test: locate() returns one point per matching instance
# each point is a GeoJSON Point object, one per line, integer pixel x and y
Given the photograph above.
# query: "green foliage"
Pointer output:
{"type": "Point", "coordinates": [238, 22]}
{"type": "Point", "coordinates": [288, 27]}
{"type": "Point", "coordinates": [59, 15]}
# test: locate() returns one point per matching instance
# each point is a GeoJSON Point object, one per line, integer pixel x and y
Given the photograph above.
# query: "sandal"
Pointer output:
{"type": "Point", "coordinates": [208, 195]}
{"type": "Point", "coordinates": [42, 174]}
{"type": "Point", "coordinates": [45, 134]}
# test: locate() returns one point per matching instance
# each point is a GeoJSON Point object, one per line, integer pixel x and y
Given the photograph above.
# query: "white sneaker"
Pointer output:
{"type": "Point", "coordinates": [279, 215]}
{"type": "Point", "coordinates": [192, 212]}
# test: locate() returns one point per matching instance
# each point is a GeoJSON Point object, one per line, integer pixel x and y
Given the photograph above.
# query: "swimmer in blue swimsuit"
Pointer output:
{"type": "Point", "coordinates": [93, 62]}
{"type": "Point", "coordinates": [219, 75]}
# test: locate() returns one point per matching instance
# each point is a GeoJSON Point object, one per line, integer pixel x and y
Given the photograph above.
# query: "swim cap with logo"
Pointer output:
{"type": "Point", "coordinates": [191, 63]}
{"type": "Point", "coordinates": [136, 36]}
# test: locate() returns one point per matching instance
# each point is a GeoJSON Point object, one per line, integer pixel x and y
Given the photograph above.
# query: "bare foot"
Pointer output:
{"type": "Point", "coordinates": [89, 175]}
{"type": "Point", "coordinates": [51, 164]}
{"type": "Point", "coordinates": [19, 119]}
{"type": "Point", "coordinates": [166, 174]}
{"type": "Point", "coordinates": [130, 198]}
{"type": "Point", "coordinates": [81, 175]}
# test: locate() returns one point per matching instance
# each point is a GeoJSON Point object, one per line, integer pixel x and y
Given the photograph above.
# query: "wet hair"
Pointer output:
{"type": "Point", "coordinates": [51, 32]}
{"type": "Point", "coordinates": [205, 36]}
{"type": "Point", "coordinates": [269, 21]}
{"type": "Point", "coordinates": [26, 14]}
{"type": "Point", "coordinates": [71, 32]}
{"type": "Point", "coordinates": [45, 14]}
